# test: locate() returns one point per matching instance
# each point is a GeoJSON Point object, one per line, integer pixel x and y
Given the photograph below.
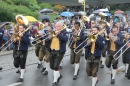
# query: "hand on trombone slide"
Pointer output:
{"type": "Point", "coordinates": [88, 42]}
{"type": "Point", "coordinates": [50, 37]}
{"type": "Point", "coordinates": [128, 44]}
{"type": "Point", "coordinates": [74, 39]}
{"type": "Point", "coordinates": [14, 40]}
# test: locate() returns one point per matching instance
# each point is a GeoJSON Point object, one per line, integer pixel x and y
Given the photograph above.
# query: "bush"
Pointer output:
{"type": "Point", "coordinates": [34, 7]}
{"type": "Point", "coordinates": [6, 15]}
{"type": "Point", "coordinates": [9, 2]}
{"type": "Point", "coordinates": [45, 5]}
{"type": "Point", "coordinates": [22, 2]}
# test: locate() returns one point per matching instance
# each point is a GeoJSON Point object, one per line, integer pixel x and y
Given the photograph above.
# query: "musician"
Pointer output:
{"type": "Point", "coordinates": [93, 54]}
{"type": "Point", "coordinates": [38, 43]}
{"type": "Point", "coordinates": [128, 71]}
{"type": "Point", "coordinates": [45, 49]}
{"type": "Point", "coordinates": [114, 44]}
{"type": "Point", "coordinates": [21, 50]}
{"type": "Point", "coordinates": [58, 49]}
{"type": "Point", "coordinates": [104, 50]}
{"type": "Point", "coordinates": [76, 39]}
{"type": "Point", "coordinates": [42, 49]}
{"type": "Point", "coordinates": [1, 37]}
{"type": "Point", "coordinates": [125, 56]}
{"type": "Point", "coordinates": [118, 24]}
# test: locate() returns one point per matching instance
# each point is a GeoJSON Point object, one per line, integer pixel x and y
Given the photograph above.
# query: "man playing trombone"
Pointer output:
{"type": "Point", "coordinates": [75, 40]}
{"type": "Point", "coordinates": [93, 53]}
{"type": "Point", "coordinates": [21, 42]}
{"type": "Point", "coordinates": [114, 44]}
{"type": "Point", "coordinates": [104, 50]}
{"type": "Point", "coordinates": [57, 50]}
{"type": "Point", "coordinates": [128, 71]}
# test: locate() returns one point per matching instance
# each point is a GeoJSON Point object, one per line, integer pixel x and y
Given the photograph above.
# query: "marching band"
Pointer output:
{"type": "Point", "coordinates": [101, 43]}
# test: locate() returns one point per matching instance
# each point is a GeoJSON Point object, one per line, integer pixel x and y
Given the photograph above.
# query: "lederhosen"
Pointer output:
{"type": "Point", "coordinates": [110, 59]}
{"type": "Point", "coordinates": [20, 58]}
{"type": "Point", "coordinates": [20, 52]}
{"type": "Point", "coordinates": [125, 56]}
{"type": "Point", "coordinates": [56, 53]}
{"type": "Point", "coordinates": [93, 60]}
{"type": "Point", "coordinates": [92, 65]}
{"type": "Point", "coordinates": [75, 58]}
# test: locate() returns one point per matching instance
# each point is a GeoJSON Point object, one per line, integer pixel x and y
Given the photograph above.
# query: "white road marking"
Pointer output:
{"type": "Point", "coordinates": [15, 84]}
{"type": "Point", "coordinates": [120, 67]}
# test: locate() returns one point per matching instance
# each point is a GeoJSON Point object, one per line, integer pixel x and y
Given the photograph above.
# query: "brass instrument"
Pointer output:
{"type": "Point", "coordinates": [54, 33]}
{"type": "Point", "coordinates": [91, 37]}
{"type": "Point", "coordinates": [120, 50]}
{"type": "Point", "coordinates": [102, 19]}
{"type": "Point", "coordinates": [85, 18]}
{"type": "Point", "coordinates": [41, 26]}
{"type": "Point", "coordinates": [20, 20]}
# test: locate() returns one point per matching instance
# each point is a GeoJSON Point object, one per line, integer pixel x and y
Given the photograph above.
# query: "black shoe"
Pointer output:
{"type": "Point", "coordinates": [20, 80]}
{"type": "Point", "coordinates": [60, 67]}
{"type": "Point", "coordinates": [125, 74]}
{"type": "Point", "coordinates": [112, 81]}
{"type": "Point", "coordinates": [1, 68]}
{"type": "Point", "coordinates": [39, 66]}
{"type": "Point", "coordinates": [45, 73]}
{"type": "Point", "coordinates": [43, 69]}
{"type": "Point", "coordinates": [74, 77]}
{"type": "Point", "coordinates": [58, 80]}
{"type": "Point", "coordinates": [54, 84]}
{"type": "Point", "coordinates": [18, 71]}
{"type": "Point", "coordinates": [102, 66]}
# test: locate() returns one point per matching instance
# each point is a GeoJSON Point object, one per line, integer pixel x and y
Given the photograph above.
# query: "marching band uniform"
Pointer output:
{"type": "Point", "coordinates": [75, 58]}
{"type": "Point", "coordinates": [1, 37]}
{"type": "Point", "coordinates": [58, 49]}
{"type": "Point", "coordinates": [93, 55]}
{"type": "Point", "coordinates": [104, 50]}
{"type": "Point", "coordinates": [113, 47]}
{"type": "Point", "coordinates": [125, 56]}
{"type": "Point", "coordinates": [125, 59]}
{"type": "Point", "coordinates": [128, 71]}
{"type": "Point", "coordinates": [46, 52]}
{"type": "Point", "coordinates": [20, 53]}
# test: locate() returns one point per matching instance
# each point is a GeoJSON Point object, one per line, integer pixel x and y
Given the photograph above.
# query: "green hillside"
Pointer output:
{"type": "Point", "coordinates": [10, 8]}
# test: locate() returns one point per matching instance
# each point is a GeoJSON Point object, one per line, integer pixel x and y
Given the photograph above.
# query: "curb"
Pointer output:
{"type": "Point", "coordinates": [10, 52]}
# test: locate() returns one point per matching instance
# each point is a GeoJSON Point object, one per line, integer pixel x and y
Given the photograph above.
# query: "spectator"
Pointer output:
{"type": "Point", "coordinates": [1, 35]}
{"type": "Point", "coordinates": [6, 36]}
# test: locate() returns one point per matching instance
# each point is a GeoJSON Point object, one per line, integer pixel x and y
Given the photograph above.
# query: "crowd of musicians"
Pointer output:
{"type": "Point", "coordinates": [101, 44]}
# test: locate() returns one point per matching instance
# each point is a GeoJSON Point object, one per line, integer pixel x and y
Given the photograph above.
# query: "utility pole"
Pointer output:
{"type": "Point", "coordinates": [83, 2]}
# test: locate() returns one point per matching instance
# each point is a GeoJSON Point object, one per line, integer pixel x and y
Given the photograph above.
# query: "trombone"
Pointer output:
{"type": "Point", "coordinates": [15, 35]}
{"type": "Point", "coordinates": [120, 50]}
{"type": "Point", "coordinates": [92, 37]}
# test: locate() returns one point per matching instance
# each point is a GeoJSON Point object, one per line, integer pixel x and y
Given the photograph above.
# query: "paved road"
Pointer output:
{"type": "Point", "coordinates": [33, 76]}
